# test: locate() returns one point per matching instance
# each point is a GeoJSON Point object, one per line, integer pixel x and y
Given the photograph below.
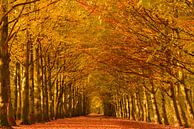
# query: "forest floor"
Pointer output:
{"type": "Point", "coordinates": [94, 122]}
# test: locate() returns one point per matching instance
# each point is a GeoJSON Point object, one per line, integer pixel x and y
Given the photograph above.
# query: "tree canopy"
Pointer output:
{"type": "Point", "coordinates": [64, 58]}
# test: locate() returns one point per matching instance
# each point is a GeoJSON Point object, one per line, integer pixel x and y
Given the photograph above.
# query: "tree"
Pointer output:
{"type": "Point", "coordinates": [4, 66]}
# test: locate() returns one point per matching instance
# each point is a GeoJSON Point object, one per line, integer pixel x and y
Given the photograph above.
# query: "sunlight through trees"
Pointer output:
{"type": "Point", "coordinates": [127, 59]}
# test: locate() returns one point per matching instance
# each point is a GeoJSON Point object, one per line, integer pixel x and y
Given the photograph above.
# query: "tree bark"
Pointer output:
{"type": "Point", "coordinates": [57, 98]}
{"type": "Point", "coordinates": [51, 106]}
{"type": "Point", "coordinates": [20, 92]}
{"type": "Point", "coordinates": [149, 107]}
{"type": "Point", "coordinates": [166, 122]}
{"type": "Point", "coordinates": [42, 65]}
{"type": "Point", "coordinates": [157, 110]}
{"type": "Point", "coordinates": [38, 104]}
{"type": "Point", "coordinates": [11, 118]}
{"type": "Point", "coordinates": [4, 65]}
{"type": "Point", "coordinates": [26, 107]}
{"type": "Point", "coordinates": [175, 105]}
{"type": "Point", "coordinates": [46, 91]}
{"type": "Point", "coordinates": [32, 119]}
{"type": "Point", "coordinates": [140, 97]}
{"type": "Point", "coordinates": [121, 106]}
{"type": "Point", "coordinates": [125, 106]}
{"type": "Point", "coordinates": [129, 109]}
{"type": "Point", "coordinates": [16, 92]}
{"type": "Point", "coordinates": [181, 100]}
{"type": "Point", "coordinates": [133, 111]}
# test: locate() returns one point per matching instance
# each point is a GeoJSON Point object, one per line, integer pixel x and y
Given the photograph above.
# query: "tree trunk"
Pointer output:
{"type": "Point", "coordinates": [60, 96]}
{"type": "Point", "coordinates": [181, 75]}
{"type": "Point", "coordinates": [46, 91]}
{"type": "Point", "coordinates": [26, 107]}
{"type": "Point", "coordinates": [84, 104]}
{"type": "Point", "coordinates": [155, 102]}
{"type": "Point", "coordinates": [20, 92]}
{"type": "Point", "coordinates": [51, 108]}
{"type": "Point", "coordinates": [66, 104]}
{"type": "Point", "coordinates": [32, 119]}
{"type": "Point", "coordinates": [125, 106]}
{"type": "Point", "coordinates": [70, 100]}
{"type": "Point", "coordinates": [185, 119]}
{"type": "Point", "coordinates": [182, 106]}
{"type": "Point", "coordinates": [57, 97]}
{"type": "Point", "coordinates": [175, 104]}
{"type": "Point", "coordinates": [157, 110]}
{"type": "Point", "coordinates": [59, 103]}
{"type": "Point", "coordinates": [189, 101]}
{"type": "Point", "coordinates": [188, 98]}
{"type": "Point", "coordinates": [129, 109]}
{"type": "Point", "coordinates": [164, 109]}
{"type": "Point", "coordinates": [42, 65]}
{"type": "Point", "coordinates": [4, 64]}
{"type": "Point", "coordinates": [121, 106]}
{"type": "Point", "coordinates": [140, 97]}
{"type": "Point", "coordinates": [10, 109]}
{"type": "Point", "coordinates": [16, 92]}
{"type": "Point", "coordinates": [133, 111]}
{"type": "Point", "coordinates": [38, 103]}
{"type": "Point", "coordinates": [149, 107]}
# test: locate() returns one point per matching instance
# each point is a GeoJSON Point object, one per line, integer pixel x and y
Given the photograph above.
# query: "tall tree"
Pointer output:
{"type": "Point", "coordinates": [4, 63]}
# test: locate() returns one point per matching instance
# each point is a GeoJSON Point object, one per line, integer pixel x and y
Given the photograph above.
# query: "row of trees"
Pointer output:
{"type": "Point", "coordinates": [41, 69]}
{"type": "Point", "coordinates": [136, 55]}
{"type": "Point", "coordinates": [146, 53]}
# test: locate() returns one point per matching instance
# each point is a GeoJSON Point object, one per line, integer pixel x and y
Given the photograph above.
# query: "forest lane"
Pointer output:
{"type": "Point", "coordinates": [93, 122]}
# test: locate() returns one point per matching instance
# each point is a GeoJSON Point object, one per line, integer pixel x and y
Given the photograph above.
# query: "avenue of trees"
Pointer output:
{"type": "Point", "coordinates": [131, 59]}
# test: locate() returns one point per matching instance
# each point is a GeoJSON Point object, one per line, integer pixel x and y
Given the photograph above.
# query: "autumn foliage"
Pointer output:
{"type": "Point", "coordinates": [127, 59]}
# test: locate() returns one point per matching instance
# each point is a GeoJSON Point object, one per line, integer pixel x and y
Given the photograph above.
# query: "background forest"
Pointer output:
{"type": "Point", "coordinates": [125, 58]}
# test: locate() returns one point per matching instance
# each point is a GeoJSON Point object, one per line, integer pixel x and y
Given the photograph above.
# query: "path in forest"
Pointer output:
{"type": "Point", "coordinates": [93, 122]}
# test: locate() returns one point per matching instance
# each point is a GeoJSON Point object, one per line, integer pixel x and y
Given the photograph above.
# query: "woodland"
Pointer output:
{"type": "Point", "coordinates": [131, 59]}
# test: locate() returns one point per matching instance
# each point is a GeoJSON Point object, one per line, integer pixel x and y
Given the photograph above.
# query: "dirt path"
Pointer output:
{"type": "Point", "coordinates": [93, 122]}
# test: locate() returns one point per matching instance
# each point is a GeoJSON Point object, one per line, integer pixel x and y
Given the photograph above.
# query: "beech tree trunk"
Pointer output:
{"type": "Point", "coordinates": [32, 119]}
{"type": "Point", "coordinates": [51, 92]}
{"type": "Point", "coordinates": [4, 65]}
{"type": "Point", "coordinates": [16, 92]}
{"type": "Point", "coordinates": [164, 109]}
{"type": "Point", "coordinates": [149, 107]}
{"type": "Point", "coordinates": [133, 111]}
{"type": "Point", "coordinates": [181, 100]}
{"type": "Point", "coordinates": [39, 91]}
{"type": "Point", "coordinates": [19, 110]}
{"type": "Point", "coordinates": [157, 110]}
{"type": "Point", "coordinates": [175, 105]}
{"type": "Point", "coordinates": [26, 107]}
{"type": "Point", "coordinates": [129, 108]}
{"type": "Point", "coordinates": [46, 91]}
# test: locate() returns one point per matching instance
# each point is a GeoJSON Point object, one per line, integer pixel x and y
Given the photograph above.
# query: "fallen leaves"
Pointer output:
{"type": "Point", "coordinates": [94, 122]}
